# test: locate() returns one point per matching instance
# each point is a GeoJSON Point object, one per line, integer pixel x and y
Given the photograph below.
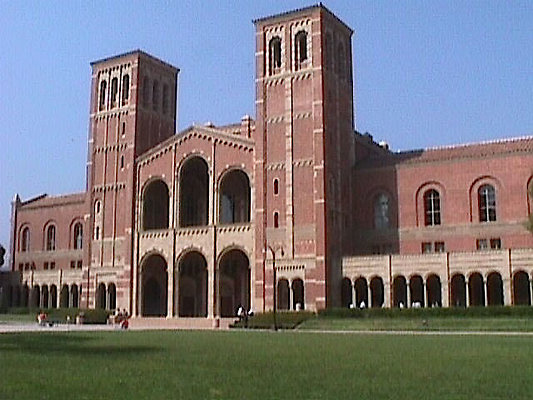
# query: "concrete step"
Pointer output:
{"type": "Point", "coordinates": [179, 323]}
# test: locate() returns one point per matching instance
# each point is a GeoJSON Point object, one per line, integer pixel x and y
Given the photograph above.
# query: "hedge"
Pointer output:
{"type": "Point", "coordinates": [59, 315]}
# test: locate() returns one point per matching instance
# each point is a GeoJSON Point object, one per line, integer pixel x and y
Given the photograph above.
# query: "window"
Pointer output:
{"type": "Point", "coordinates": [165, 99]}
{"type": "Point", "coordinates": [123, 129]}
{"type": "Point", "coordinates": [80, 264]}
{"type": "Point", "coordinates": [103, 88]}
{"type": "Point", "coordinates": [146, 91]}
{"type": "Point", "coordinates": [122, 162]}
{"type": "Point", "coordinates": [114, 92]}
{"type": "Point", "coordinates": [274, 60]}
{"type": "Point", "coordinates": [300, 49]}
{"type": "Point", "coordinates": [51, 238]}
{"type": "Point", "coordinates": [427, 247]}
{"type": "Point", "coordinates": [21, 267]}
{"type": "Point", "coordinates": [52, 265]}
{"type": "Point", "coordinates": [45, 265]}
{"type": "Point", "coordinates": [97, 233]}
{"type": "Point", "coordinates": [276, 220]}
{"type": "Point", "coordinates": [78, 236]}
{"type": "Point", "coordinates": [431, 208]}
{"type": "Point", "coordinates": [72, 264]}
{"type": "Point", "coordinates": [440, 247]}
{"type": "Point", "coordinates": [125, 89]}
{"type": "Point", "coordinates": [487, 203]}
{"type": "Point", "coordinates": [381, 212]}
{"type": "Point", "coordinates": [25, 239]}
{"type": "Point", "coordinates": [276, 186]}
{"type": "Point", "coordinates": [155, 96]}
{"type": "Point", "coordinates": [486, 244]}
{"type": "Point", "coordinates": [97, 207]}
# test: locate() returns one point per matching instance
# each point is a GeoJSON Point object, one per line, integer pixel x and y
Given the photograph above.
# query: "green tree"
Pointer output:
{"type": "Point", "coordinates": [2, 254]}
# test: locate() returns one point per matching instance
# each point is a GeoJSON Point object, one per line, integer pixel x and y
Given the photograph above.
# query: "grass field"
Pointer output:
{"type": "Point", "coordinates": [263, 365]}
{"type": "Point", "coordinates": [457, 324]}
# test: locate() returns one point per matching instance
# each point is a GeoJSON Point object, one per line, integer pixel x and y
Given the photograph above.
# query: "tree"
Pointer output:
{"type": "Point", "coordinates": [2, 254]}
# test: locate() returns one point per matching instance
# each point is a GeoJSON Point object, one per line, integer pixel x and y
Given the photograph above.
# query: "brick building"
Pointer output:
{"type": "Point", "coordinates": [191, 224]}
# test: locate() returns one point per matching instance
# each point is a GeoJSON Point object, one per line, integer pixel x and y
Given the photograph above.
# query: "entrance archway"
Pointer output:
{"type": "Point", "coordinates": [194, 192]}
{"type": "Point", "coordinates": [521, 289]}
{"type": "Point", "coordinates": [476, 290]}
{"type": "Point", "coordinates": [298, 298]}
{"type": "Point", "coordinates": [346, 293]}
{"type": "Point", "coordinates": [458, 288]}
{"type": "Point", "coordinates": [283, 294]}
{"type": "Point", "coordinates": [416, 285]}
{"type": "Point", "coordinates": [63, 297]}
{"type": "Point", "coordinates": [101, 296]}
{"type": "Point", "coordinates": [361, 292]}
{"type": "Point", "coordinates": [434, 294]}
{"type": "Point", "coordinates": [154, 283]}
{"type": "Point", "coordinates": [377, 292]}
{"type": "Point", "coordinates": [494, 289]}
{"type": "Point", "coordinates": [111, 296]}
{"type": "Point", "coordinates": [192, 285]}
{"type": "Point", "coordinates": [74, 296]}
{"type": "Point", "coordinates": [399, 291]}
{"type": "Point", "coordinates": [53, 296]}
{"type": "Point", "coordinates": [234, 283]}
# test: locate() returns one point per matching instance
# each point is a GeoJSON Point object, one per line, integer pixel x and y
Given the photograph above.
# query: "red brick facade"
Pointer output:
{"type": "Point", "coordinates": [189, 224]}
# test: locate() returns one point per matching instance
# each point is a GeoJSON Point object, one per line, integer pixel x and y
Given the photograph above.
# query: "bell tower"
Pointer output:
{"type": "Point", "coordinates": [133, 108]}
{"type": "Point", "coordinates": [304, 153]}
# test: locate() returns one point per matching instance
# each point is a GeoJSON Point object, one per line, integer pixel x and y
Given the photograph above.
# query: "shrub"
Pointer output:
{"type": "Point", "coordinates": [284, 320]}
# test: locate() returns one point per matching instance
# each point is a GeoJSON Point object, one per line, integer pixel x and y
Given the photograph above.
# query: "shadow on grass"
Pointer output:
{"type": "Point", "coordinates": [68, 344]}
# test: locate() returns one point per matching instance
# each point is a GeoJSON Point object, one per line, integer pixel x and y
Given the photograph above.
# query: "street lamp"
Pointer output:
{"type": "Point", "coordinates": [273, 251]}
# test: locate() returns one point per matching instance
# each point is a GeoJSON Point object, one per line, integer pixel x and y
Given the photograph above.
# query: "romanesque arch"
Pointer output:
{"type": "Point", "coordinates": [64, 297]}
{"type": "Point", "coordinates": [111, 296]}
{"type": "Point", "coordinates": [361, 292]}
{"type": "Point", "coordinates": [476, 291]}
{"type": "Point", "coordinates": [74, 295]}
{"type": "Point", "coordinates": [434, 293]}
{"type": "Point", "coordinates": [192, 285]}
{"type": "Point", "coordinates": [155, 200]}
{"type": "Point", "coordinates": [234, 282]}
{"type": "Point", "coordinates": [53, 296]}
{"type": "Point", "coordinates": [416, 285]}
{"type": "Point", "coordinates": [44, 297]}
{"type": "Point", "coordinates": [35, 297]}
{"type": "Point", "coordinates": [234, 206]}
{"type": "Point", "coordinates": [298, 294]}
{"type": "Point", "coordinates": [283, 294]}
{"type": "Point", "coordinates": [101, 296]}
{"type": "Point", "coordinates": [194, 192]}
{"type": "Point", "coordinates": [346, 293]}
{"type": "Point", "coordinates": [458, 291]}
{"type": "Point", "coordinates": [494, 289]}
{"type": "Point", "coordinates": [154, 284]}
{"type": "Point", "coordinates": [399, 291]}
{"type": "Point", "coordinates": [25, 296]}
{"type": "Point", "coordinates": [521, 288]}
{"type": "Point", "coordinates": [377, 292]}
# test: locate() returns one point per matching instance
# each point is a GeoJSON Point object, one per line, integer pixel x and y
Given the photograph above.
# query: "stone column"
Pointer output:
{"type": "Point", "coordinates": [291, 296]}
{"type": "Point", "coordinates": [444, 294]}
{"type": "Point", "coordinates": [425, 294]}
{"type": "Point", "coordinates": [408, 293]}
{"type": "Point", "coordinates": [211, 290]}
{"type": "Point", "coordinates": [486, 294]}
{"type": "Point", "coordinates": [170, 291]}
{"type": "Point", "coordinates": [354, 295]}
{"type": "Point", "coordinates": [467, 294]}
{"type": "Point", "coordinates": [507, 295]}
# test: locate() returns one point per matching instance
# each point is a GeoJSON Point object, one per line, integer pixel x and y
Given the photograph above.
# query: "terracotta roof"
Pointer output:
{"type": "Point", "coordinates": [46, 201]}
{"type": "Point", "coordinates": [455, 152]}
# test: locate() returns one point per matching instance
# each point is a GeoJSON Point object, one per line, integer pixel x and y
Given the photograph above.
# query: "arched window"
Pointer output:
{"type": "Point", "coordinates": [165, 99]}
{"type": "Point", "coordinates": [381, 212]}
{"type": "Point", "coordinates": [276, 220]}
{"type": "Point", "coordinates": [125, 89]}
{"type": "Point", "coordinates": [97, 207]}
{"type": "Point", "coordinates": [25, 239]}
{"type": "Point", "coordinates": [155, 205]}
{"type": "Point", "coordinates": [103, 88]}
{"type": "Point", "coordinates": [234, 198]}
{"type": "Point", "coordinates": [274, 60]}
{"type": "Point", "coordinates": [487, 203]}
{"type": "Point", "coordinates": [276, 186]}
{"type": "Point", "coordinates": [155, 95]}
{"type": "Point", "coordinates": [300, 49]}
{"type": "Point", "coordinates": [78, 236]}
{"type": "Point", "coordinates": [431, 208]}
{"type": "Point", "coordinates": [146, 91]}
{"type": "Point", "coordinates": [51, 238]}
{"type": "Point", "coordinates": [114, 92]}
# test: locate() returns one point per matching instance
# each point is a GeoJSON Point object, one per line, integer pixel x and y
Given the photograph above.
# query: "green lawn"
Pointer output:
{"type": "Point", "coordinates": [263, 365]}
{"type": "Point", "coordinates": [458, 324]}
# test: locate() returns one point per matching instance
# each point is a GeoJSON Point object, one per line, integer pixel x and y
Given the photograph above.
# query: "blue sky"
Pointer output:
{"type": "Point", "coordinates": [427, 73]}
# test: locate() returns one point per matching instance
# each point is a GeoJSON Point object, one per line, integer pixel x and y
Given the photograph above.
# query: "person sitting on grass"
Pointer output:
{"type": "Point", "coordinates": [42, 318]}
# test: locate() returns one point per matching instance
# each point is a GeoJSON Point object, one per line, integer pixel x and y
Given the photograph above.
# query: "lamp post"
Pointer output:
{"type": "Point", "coordinates": [274, 297]}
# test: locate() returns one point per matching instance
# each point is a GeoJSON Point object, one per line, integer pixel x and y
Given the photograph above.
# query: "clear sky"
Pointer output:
{"type": "Point", "coordinates": [427, 73]}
